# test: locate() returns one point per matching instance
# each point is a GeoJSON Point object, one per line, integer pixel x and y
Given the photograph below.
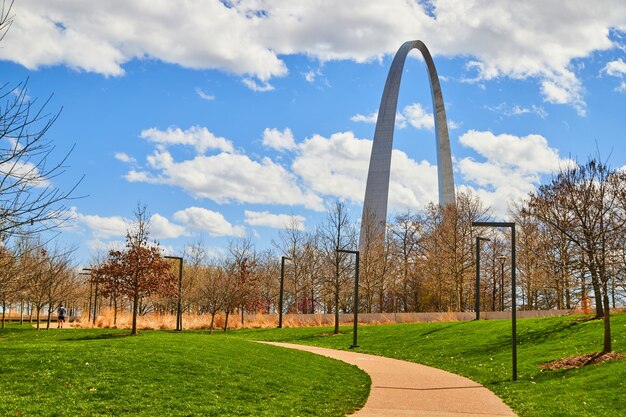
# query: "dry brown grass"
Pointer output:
{"type": "Point", "coordinates": [448, 316]}
{"type": "Point", "coordinates": [156, 321]}
{"type": "Point", "coordinates": [202, 322]}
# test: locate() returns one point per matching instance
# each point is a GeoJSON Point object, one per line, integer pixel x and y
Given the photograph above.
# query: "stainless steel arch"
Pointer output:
{"type": "Point", "coordinates": [377, 188]}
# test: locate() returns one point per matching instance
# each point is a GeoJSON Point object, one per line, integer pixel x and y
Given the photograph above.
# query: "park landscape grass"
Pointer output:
{"type": "Point", "coordinates": [104, 372]}
{"type": "Point", "coordinates": [99, 372]}
{"type": "Point", "coordinates": [482, 351]}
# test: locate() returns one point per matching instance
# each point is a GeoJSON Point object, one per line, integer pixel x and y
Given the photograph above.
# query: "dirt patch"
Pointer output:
{"type": "Point", "coordinates": [573, 362]}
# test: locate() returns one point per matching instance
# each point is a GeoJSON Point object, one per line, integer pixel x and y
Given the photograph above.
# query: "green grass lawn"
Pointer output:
{"type": "Point", "coordinates": [102, 372]}
{"type": "Point", "coordinates": [482, 352]}
{"type": "Point", "coordinates": [158, 373]}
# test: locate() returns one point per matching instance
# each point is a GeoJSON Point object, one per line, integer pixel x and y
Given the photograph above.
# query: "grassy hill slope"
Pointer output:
{"type": "Point", "coordinates": [102, 372]}
{"type": "Point", "coordinates": [482, 352]}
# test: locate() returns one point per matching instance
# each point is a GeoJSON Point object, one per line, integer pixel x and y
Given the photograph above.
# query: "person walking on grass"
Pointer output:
{"type": "Point", "coordinates": [61, 318]}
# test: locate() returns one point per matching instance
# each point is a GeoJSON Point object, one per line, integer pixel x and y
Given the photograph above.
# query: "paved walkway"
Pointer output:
{"type": "Point", "coordinates": [402, 389]}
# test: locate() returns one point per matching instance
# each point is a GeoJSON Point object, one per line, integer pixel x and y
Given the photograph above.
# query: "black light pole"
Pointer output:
{"type": "Point", "coordinates": [95, 295]}
{"type": "Point", "coordinates": [90, 291]}
{"type": "Point", "coordinates": [502, 260]}
{"type": "Point", "coordinates": [513, 295]}
{"type": "Point", "coordinates": [478, 239]}
{"type": "Point", "coordinates": [179, 310]}
{"type": "Point", "coordinates": [356, 296]}
{"type": "Point", "coordinates": [282, 286]}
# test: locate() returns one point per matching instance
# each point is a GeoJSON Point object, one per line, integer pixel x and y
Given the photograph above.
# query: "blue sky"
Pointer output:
{"type": "Point", "coordinates": [225, 118]}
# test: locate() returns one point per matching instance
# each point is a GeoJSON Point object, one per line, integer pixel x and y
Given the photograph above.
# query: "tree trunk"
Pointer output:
{"type": "Point", "coordinates": [135, 311]}
{"type": "Point", "coordinates": [49, 317]}
{"type": "Point", "coordinates": [114, 309]}
{"type": "Point", "coordinates": [598, 295]}
{"type": "Point", "coordinates": [38, 314]}
{"type": "Point", "coordinates": [607, 320]}
{"type": "Point", "coordinates": [212, 321]}
{"type": "Point", "coordinates": [4, 307]}
{"type": "Point", "coordinates": [336, 331]}
{"type": "Point", "coordinates": [21, 312]}
{"type": "Point", "coordinates": [226, 319]}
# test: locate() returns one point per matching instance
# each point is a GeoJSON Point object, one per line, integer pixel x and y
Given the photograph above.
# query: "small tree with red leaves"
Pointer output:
{"type": "Point", "coordinates": [139, 270]}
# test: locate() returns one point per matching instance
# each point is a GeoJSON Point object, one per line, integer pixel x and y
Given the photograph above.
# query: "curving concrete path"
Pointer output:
{"type": "Point", "coordinates": [401, 389]}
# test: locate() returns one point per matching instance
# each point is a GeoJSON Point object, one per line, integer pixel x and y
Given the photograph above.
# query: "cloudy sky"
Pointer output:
{"type": "Point", "coordinates": [226, 118]}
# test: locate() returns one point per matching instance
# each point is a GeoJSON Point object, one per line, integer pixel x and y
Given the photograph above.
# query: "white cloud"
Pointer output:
{"type": "Point", "coordinates": [509, 38]}
{"type": "Point", "coordinates": [75, 34]}
{"type": "Point", "coordinates": [162, 228]}
{"type": "Point", "coordinates": [400, 122]}
{"type": "Point", "coordinates": [254, 86]}
{"type": "Point", "coordinates": [203, 95]}
{"type": "Point", "coordinates": [277, 221]}
{"type": "Point", "coordinates": [528, 153]}
{"type": "Point", "coordinates": [555, 93]}
{"type": "Point", "coordinates": [98, 245]}
{"type": "Point", "coordinates": [116, 226]}
{"type": "Point", "coordinates": [104, 227]}
{"type": "Point", "coordinates": [517, 110]}
{"type": "Point", "coordinates": [413, 114]}
{"type": "Point", "coordinates": [121, 156]}
{"type": "Point", "coordinates": [275, 139]}
{"type": "Point", "coordinates": [412, 183]}
{"type": "Point", "coordinates": [141, 176]}
{"type": "Point", "coordinates": [370, 118]}
{"type": "Point", "coordinates": [512, 166]}
{"type": "Point", "coordinates": [198, 137]}
{"type": "Point", "coordinates": [25, 173]}
{"type": "Point", "coordinates": [418, 117]}
{"type": "Point", "coordinates": [227, 178]}
{"type": "Point", "coordinates": [337, 166]}
{"type": "Point", "coordinates": [616, 68]}
{"type": "Point", "coordinates": [309, 76]}
{"type": "Point", "coordinates": [204, 220]}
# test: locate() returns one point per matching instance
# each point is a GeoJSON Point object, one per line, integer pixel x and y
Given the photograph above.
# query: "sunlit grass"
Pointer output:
{"type": "Point", "coordinates": [482, 352]}
{"type": "Point", "coordinates": [103, 372]}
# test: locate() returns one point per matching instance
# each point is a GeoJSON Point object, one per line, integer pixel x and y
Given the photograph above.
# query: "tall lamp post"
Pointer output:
{"type": "Point", "coordinates": [478, 240]}
{"type": "Point", "coordinates": [513, 295]}
{"type": "Point", "coordinates": [95, 294]}
{"type": "Point", "coordinates": [179, 310]}
{"type": "Point", "coordinates": [502, 260]}
{"type": "Point", "coordinates": [356, 296]}
{"type": "Point", "coordinates": [90, 291]}
{"type": "Point", "coordinates": [282, 288]}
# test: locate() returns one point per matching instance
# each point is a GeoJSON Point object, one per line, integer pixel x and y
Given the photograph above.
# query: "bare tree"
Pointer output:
{"type": "Point", "coordinates": [58, 277]}
{"type": "Point", "coordinates": [373, 256]}
{"type": "Point", "coordinates": [405, 235]}
{"type": "Point", "coordinates": [313, 272]}
{"type": "Point", "coordinates": [584, 203]}
{"type": "Point", "coordinates": [214, 289]}
{"type": "Point", "coordinates": [268, 272]}
{"type": "Point", "coordinates": [29, 201]}
{"type": "Point", "coordinates": [34, 259]}
{"type": "Point", "coordinates": [10, 283]}
{"type": "Point", "coordinates": [241, 266]}
{"type": "Point", "coordinates": [290, 243]}
{"type": "Point", "coordinates": [337, 233]}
